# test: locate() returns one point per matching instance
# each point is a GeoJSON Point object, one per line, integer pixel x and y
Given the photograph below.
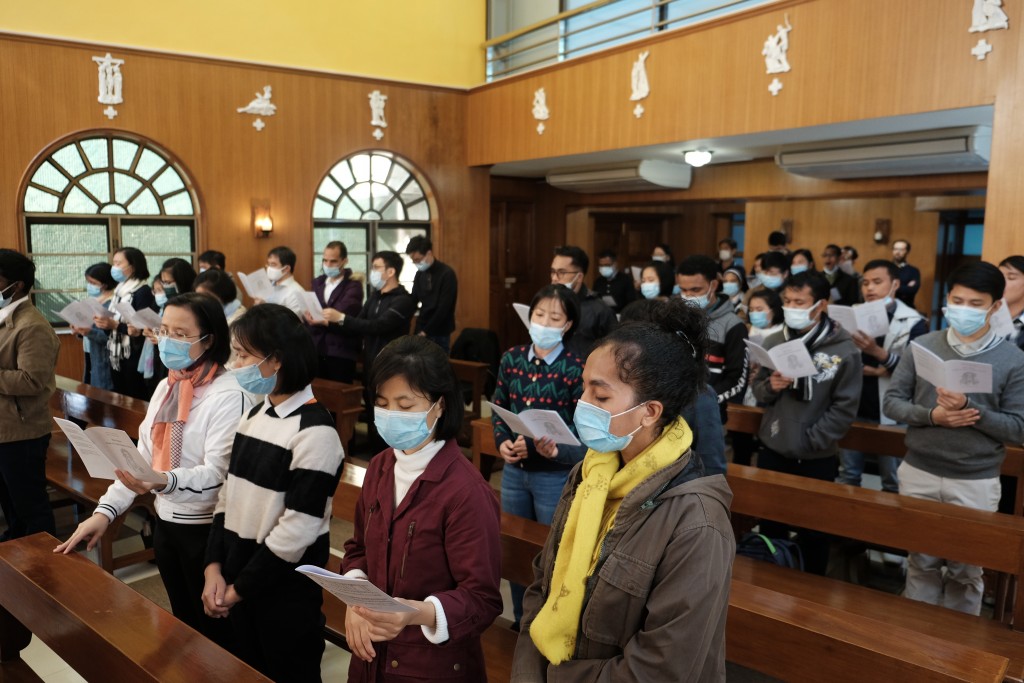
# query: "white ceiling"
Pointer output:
{"type": "Point", "coordinates": [755, 145]}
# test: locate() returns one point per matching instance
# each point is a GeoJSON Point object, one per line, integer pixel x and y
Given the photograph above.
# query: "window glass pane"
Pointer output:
{"type": "Point", "coordinates": [322, 209]}
{"type": "Point", "coordinates": [159, 238]}
{"type": "Point", "coordinates": [379, 167]}
{"type": "Point", "coordinates": [355, 238]}
{"type": "Point", "coordinates": [396, 239]}
{"type": "Point", "coordinates": [64, 272]}
{"type": "Point", "coordinates": [380, 194]}
{"type": "Point", "coordinates": [178, 205]}
{"type": "Point", "coordinates": [98, 185]}
{"type": "Point", "coordinates": [49, 176]}
{"type": "Point", "coordinates": [69, 158]}
{"type": "Point", "coordinates": [124, 154]}
{"type": "Point", "coordinates": [393, 211]}
{"type": "Point", "coordinates": [149, 163]}
{"type": "Point", "coordinates": [95, 151]}
{"type": "Point", "coordinates": [167, 182]}
{"type": "Point", "coordinates": [145, 204]}
{"type": "Point", "coordinates": [360, 194]}
{"type": "Point", "coordinates": [77, 202]}
{"type": "Point", "coordinates": [411, 194]}
{"type": "Point", "coordinates": [49, 303]}
{"type": "Point", "coordinates": [343, 174]}
{"type": "Point", "coordinates": [419, 211]}
{"type": "Point", "coordinates": [348, 210]}
{"type": "Point", "coordinates": [595, 35]}
{"type": "Point", "coordinates": [113, 209]}
{"type": "Point", "coordinates": [38, 201]}
{"type": "Point", "coordinates": [329, 189]}
{"type": "Point", "coordinates": [398, 176]}
{"type": "Point", "coordinates": [69, 238]}
{"type": "Point", "coordinates": [361, 167]}
{"type": "Point", "coordinates": [125, 187]}
{"type": "Point", "coordinates": [972, 239]}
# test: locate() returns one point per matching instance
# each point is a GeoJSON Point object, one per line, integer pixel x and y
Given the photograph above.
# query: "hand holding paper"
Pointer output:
{"type": "Point", "coordinates": [870, 318]}
{"type": "Point", "coordinates": [104, 450]}
{"type": "Point", "coordinates": [257, 284]}
{"type": "Point", "coordinates": [965, 377]}
{"type": "Point", "coordinates": [354, 592]}
{"type": "Point", "coordinates": [537, 424]}
{"type": "Point", "coordinates": [791, 359]}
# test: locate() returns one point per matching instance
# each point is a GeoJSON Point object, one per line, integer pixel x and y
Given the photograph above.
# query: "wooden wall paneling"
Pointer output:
{"type": "Point", "coordinates": [187, 105]}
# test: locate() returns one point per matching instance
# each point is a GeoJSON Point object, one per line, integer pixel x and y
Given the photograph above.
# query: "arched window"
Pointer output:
{"type": "Point", "coordinates": [89, 196]}
{"type": "Point", "coordinates": [372, 201]}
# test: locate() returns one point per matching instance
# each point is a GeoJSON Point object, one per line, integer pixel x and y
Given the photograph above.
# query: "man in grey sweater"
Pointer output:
{"type": "Point", "coordinates": [954, 440]}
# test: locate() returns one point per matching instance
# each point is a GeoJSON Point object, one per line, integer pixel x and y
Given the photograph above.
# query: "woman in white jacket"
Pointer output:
{"type": "Point", "coordinates": [188, 433]}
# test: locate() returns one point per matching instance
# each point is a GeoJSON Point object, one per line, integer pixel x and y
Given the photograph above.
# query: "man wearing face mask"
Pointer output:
{"type": "Point", "coordinates": [336, 289]}
{"type": "Point", "coordinates": [805, 418]}
{"type": "Point", "coordinates": [436, 290]}
{"type": "Point", "coordinates": [955, 440]}
{"type": "Point", "coordinates": [727, 255]}
{"type": "Point", "coordinates": [28, 358]}
{"type": "Point", "coordinates": [697, 277]}
{"type": "Point", "coordinates": [613, 285]}
{"type": "Point", "coordinates": [880, 356]}
{"type": "Point", "coordinates": [281, 270]}
{"type": "Point", "coordinates": [844, 287]}
{"type": "Point", "coordinates": [569, 268]}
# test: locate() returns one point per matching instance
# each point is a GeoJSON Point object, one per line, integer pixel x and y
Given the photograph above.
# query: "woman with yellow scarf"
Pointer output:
{"type": "Point", "coordinates": [633, 582]}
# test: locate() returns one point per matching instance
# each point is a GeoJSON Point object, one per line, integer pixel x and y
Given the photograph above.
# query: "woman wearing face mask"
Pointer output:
{"type": "Point", "coordinates": [99, 286]}
{"type": "Point", "coordinates": [543, 375]}
{"type": "Point", "coordinates": [765, 318]}
{"type": "Point", "coordinates": [633, 582]}
{"type": "Point", "coordinates": [273, 513]}
{"type": "Point", "coordinates": [129, 270]}
{"type": "Point", "coordinates": [187, 433]}
{"type": "Point", "coordinates": [802, 262]}
{"type": "Point", "coordinates": [219, 285]}
{"type": "Point", "coordinates": [662, 253]}
{"type": "Point", "coordinates": [734, 286]}
{"type": "Point", "coordinates": [176, 277]}
{"type": "Point", "coordinates": [656, 281]}
{"type": "Point", "coordinates": [427, 530]}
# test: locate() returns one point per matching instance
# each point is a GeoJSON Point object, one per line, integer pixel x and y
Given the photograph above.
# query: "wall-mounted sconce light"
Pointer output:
{"type": "Point", "coordinates": [883, 226]}
{"type": "Point", "coordinates": [262, 223]}
{"type": "Point", "coordinates": [697, 157]}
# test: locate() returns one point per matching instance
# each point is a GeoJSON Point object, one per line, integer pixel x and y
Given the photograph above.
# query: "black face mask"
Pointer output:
{"type": "Point", "coordinates": [170, 291]}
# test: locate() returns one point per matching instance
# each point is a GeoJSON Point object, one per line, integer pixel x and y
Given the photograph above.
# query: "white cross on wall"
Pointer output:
{"type": "Point", "coordinates": [775, 87]}
{"type": "Point", "coordinates": [981, 50]}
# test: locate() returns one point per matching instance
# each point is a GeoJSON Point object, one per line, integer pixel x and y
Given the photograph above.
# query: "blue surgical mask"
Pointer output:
{"type": "Point", "coordinates": [93, 290]}
{"type": "Point", "coordinates": [545, 337]}
{"type": "Point", "coordinates": [174, 353]}
{"type": "Point", "coordinates": [799, 318]}
{"type": "Point", "coordinates": [759, 319]}
{"type": "Point", "coordinates": [422, 265]}
{"type": "Point", "coordinates": [771, 281]}
{"type": "Point", "coordinates": [4, 300]}
{"type": "Point", "coordinates": [650, 290]}
{"type": "Point", "coordinates": [887, 301]}
{"type": "Point", "coordinates": [607, 272]}
{"type": "Point", "coordinates": [376, 279]}
{"type": "Point", "coordinates": [965, 320]}
{"type": "Point", "coordinates": [660, 259]}
{"type": "Point", "coordinates": [753, 281]}
{"type": "Point", "coordinates": [700, 302]}
{"type": "Point", "coordinates": [250, 379]}
{"type": "Point", "coordinates": [796, 269]}
{"type": "Point", "coordinates": [118, 274]}
{"type": "Point", "coordinates": [403, 430]}
{"type": "Point", "coordinates": [731, 288]}
{"type": "Point", "coordinates": [161, 299]}
{"type": "Point", "coordinates": [676, 290]}
{"type": "Point", "coordinates": [593, 425]}
{"type": "Point", "coordinates": [332, 271]}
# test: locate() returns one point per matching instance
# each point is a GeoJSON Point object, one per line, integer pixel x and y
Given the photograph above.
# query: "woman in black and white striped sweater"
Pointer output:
{"type": "Point", "coordinates": [274, 510]}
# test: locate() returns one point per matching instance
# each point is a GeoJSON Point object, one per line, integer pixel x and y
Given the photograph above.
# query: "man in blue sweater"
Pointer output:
{"type": "Point", "coordinates": [954, 440]}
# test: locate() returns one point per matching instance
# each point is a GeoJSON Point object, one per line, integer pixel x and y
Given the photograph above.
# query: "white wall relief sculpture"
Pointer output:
{"type": "Point", "coordinates": [260, 106]}
{"type": "Point", "coordinates": [110, 83]}
{"type": "Point", "coordinates": [639, 83]}
{"type": "Point", "coordinates": [775, 49]}
{"type": "Point", "coordinates": [988, 15]}
{"type": "Point", "coordinates": [540, 109]}
{"type": "Point", "coordinates": [377, 102]}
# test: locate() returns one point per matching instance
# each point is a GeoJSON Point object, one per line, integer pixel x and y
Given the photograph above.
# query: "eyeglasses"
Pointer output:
{"type": "Point", "coordinates": [180, 336]}
{"type": "Point", "coordinates": [562, 273]}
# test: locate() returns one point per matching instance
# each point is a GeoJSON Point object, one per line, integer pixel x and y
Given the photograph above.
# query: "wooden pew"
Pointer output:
{"type": "Point", "coordinates": [474, 375]}
{"type": "Point", "coordinates": [94, 407]}
{"type": "Point", "coordinates": [521, 540]}
{"type": "Point", "coordinates": [345, 401]}
{"type": "Point", "coordinates": [102, 628]}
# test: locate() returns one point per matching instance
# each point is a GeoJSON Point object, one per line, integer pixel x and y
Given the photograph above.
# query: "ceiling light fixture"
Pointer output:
{"type": "Point", "coordinates": [697, 157]}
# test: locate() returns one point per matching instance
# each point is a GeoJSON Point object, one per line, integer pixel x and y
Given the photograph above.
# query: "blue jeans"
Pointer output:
{"type": "Point", "coordinates": [533, 495]}
{"type": "Point", "coordinates": [851, 469]}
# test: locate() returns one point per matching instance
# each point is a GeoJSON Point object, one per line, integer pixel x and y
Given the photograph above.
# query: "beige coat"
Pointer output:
{"type": "Point", "coordinates": [28, 359]}
{"type": "Point", "coordinates": [656, 607]}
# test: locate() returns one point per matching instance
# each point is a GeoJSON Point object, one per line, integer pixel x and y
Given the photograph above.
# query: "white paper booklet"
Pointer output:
{"type": "Point", "coordinates": [791, 359]}
{"type": "Point", "coordinates": [313, 305]}
{"type": "Point", "coordinates": [870, 318]}
{"type": "Point", "coordinates": [103, 450]}
{"type": "Point", "coordinates": [1001, 322]}
{"type": "Point", "coordinates": [963, 376]}
{"type": "Point", "coordinates": [257, 284]}
{"type": "Point", "coordinates": [354, 592]}
{"type": "Point", "coordinates": [145, 318]}
{"type": "Point", "coordinates": [636, 271]}
{"type": "Point", "coordinates": [77, 313]}
{"type": "Point", "coordinates": [537, 423]}
{"type": "Point", "coordinates": [524, 313]}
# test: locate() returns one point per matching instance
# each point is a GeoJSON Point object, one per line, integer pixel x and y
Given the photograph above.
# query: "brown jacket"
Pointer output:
{"type": "Point", "coordinates": [28, 358]}
{"type": "Point", "coordinates": [657, 602]}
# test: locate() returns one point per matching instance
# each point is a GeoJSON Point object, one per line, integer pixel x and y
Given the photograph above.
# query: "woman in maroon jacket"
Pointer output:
{"type": "Point", "coordinates": [427, 530]}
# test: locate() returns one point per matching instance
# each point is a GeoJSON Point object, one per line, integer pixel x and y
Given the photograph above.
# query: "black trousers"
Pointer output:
{"type": "Point", "coordinates": [337, 369]}
{"type": "Point", "coordinates": [23, 498]}
{"type": "Point", "coordinates": [743, 447]}
{"type": "Point", "coordinates": [813, 544]}
{"type": "Point", "coordinates": [180, 556]}
{"type": "Point", "coordinates": [281, 633]}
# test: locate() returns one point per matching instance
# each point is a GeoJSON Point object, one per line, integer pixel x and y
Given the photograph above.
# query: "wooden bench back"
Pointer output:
{"type": "Point", "coordinates": [98, 407]}
{"type": "Point", "coordinates": [344, 400]}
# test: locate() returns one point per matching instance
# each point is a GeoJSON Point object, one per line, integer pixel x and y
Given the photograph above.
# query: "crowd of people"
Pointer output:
{"type": "Point", "coordinates": [633, 581]}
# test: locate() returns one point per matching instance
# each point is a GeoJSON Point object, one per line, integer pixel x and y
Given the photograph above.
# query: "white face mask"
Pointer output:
{"type": "Point", "coordinates": [724, 255]}
{"type": "Point", "coordinates": [660, 259]}
{"type": "Point", "coordinates": [274, 274]}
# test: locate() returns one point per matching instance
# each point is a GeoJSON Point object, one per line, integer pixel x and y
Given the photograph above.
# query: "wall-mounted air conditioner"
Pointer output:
{"type": "Point", "coordinates": [951, 150]}
{"type": "Point", "coordinates": [630, 176]}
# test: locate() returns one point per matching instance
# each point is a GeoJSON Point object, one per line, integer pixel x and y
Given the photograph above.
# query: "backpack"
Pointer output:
{"type": "Point", "coordinates": [784, 553]}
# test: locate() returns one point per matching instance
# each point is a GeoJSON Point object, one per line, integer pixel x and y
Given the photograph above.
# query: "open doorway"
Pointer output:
{"type": "Point", "coordinates": [960, 239]}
